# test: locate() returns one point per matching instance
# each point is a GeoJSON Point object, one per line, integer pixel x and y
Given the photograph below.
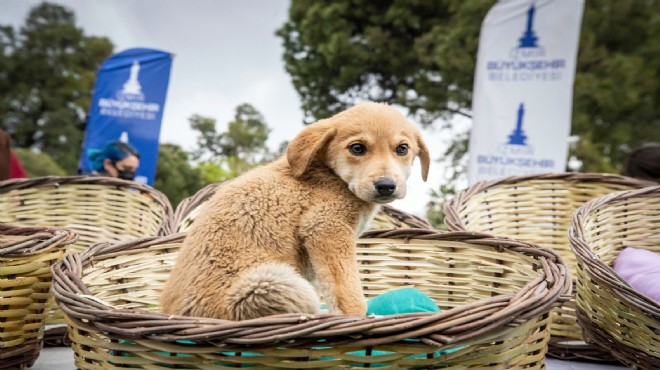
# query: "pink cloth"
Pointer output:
{"type": "Point", "coordinates": [641, 269]}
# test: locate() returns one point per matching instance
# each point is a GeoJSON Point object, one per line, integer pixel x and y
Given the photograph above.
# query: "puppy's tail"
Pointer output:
{"type": "Point", "coordinates": [271, 289]}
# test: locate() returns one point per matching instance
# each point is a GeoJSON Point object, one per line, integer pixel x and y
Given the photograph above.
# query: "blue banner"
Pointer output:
{"type": "Point", "coordinates": [127, 105]}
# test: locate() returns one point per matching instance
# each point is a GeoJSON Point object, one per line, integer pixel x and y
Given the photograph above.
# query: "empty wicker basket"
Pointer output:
{"type": "Point", "coordinates": [611, 312]}
{"type": "Point", "coordinates": [538, 209]}
{"type": "Point", "coordinates": [96, 208]}
{"type": "Point", "coordinates": [26, 254]}
{"type": "Point", "coordinates": [494, 294]}
{"type": "Point", "coordinates": [388, 218]}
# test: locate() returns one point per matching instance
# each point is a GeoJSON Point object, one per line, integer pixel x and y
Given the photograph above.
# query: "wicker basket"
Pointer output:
{"type": "Point", "coordinates": [611, 312]}
{"type": "Point", "coordinates": [392, 218]}
{"type": "Point", "coordinates": [495, 295]}
{"type": "Point", "coordinates": [538, 209]}
{"type": "Point", "coordinates": [96, 208]}
{"type": "Point", "coordinates": [388, 218]}
{"type": "Point", "coordinates": [186, 212]}
{"type": "Point", "coordinates": [26, 254]}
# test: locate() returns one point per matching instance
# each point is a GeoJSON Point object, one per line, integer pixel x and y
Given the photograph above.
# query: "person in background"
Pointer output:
{"type": "Point", "coordinates": [644, 162]}
{"type": "Point", "coordinates": [5, 155]}
{"type": "Point", "coordinates": [10, 165]}
{"type": "Point", "coordinates": [16, 170]}
{"type": "Point", "coordinates": [116, 159]}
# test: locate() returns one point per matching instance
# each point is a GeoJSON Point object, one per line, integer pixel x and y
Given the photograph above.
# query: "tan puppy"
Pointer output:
{"type": "Point", "coordinates": [264, 236]}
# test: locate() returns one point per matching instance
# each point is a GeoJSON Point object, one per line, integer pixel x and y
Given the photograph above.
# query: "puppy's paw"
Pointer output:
{"type": "Point", "coordinates": [357, 306]}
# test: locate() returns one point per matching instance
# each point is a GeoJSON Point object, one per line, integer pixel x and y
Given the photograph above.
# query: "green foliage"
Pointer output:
{"type": "Point", "coordinates": [219, 156]}
{"type": "Point", "coordinates": [247, 134]}
{"type": "Point", "coordinates": [418, 54]}
{"type": "Point", "coordinates": [176, 177]}
{"type": "Point", "coordinates": [38, 164]}
{"type": "Point", "coordinates": [208, 140]}
{"type": "Point", "coordinates": [47, 72]}
{"type": "Point", "coordinates": [218, 170]}
{"type": "Point", "coordinates": [422, 55]}
{"type": "Point", "coordinates": [228, 154]}
{"type": "Point", "coordinates": [615, 103]}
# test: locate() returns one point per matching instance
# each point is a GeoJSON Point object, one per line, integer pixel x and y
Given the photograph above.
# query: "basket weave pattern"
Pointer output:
{"type": "Point", "coordinates": [612, 313]}
{"type": "Point", "coordinates": [495, 296]}
{"type": "Point", "coordinates": [388, 218]}
{"type": "Point", "coordinates": [538, 209]}
{"type": "Point", "coordinates": [96, 208]}
{"type": "Point", "coordinates": [392, 218]}
{"type": "Point", "coordinates": [186, 212]}
{"type": "Point", "coordinates": [26, 254]}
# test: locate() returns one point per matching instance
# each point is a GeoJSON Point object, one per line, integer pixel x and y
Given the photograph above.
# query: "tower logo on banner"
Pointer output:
{"type": "Point", "coordinates": [517, 143]}
{"type": "Point", "coordinates": [524, 75]}
{"type": "Point", "coordinates": [129, 102]}
{"type": "Point", "coordinates": [132, 88]}
{"type": "Point", "coordinates": [528, 42]}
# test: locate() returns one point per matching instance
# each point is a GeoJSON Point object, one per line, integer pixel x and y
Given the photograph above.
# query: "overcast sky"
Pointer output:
{"type": "Point", "coordinates": [226, 54]}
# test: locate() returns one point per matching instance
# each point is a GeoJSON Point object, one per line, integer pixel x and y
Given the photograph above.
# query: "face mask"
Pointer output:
{"type": "Point", "coordinates": [126, 175]}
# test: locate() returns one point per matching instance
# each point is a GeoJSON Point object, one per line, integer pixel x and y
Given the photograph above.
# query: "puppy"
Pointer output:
{"type": "Point", "coordinates": [266, 236]}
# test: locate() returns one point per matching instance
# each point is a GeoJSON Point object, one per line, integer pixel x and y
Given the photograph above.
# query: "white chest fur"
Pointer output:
{"type": "Point", "coordinates": [366, 217]}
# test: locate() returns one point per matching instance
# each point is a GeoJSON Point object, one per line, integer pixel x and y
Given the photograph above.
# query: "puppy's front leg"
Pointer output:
{"type": "Point", "coordinates": [332, 254]}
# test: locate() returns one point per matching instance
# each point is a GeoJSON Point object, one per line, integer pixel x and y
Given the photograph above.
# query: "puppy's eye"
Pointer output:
{"type": "Point", "coordinates": [402, 149]}
{"type": "Point", "coordinates": [357, 149]}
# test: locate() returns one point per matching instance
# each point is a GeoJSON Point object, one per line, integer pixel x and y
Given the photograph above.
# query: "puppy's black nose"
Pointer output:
{"type": "Point", "coordinates": [385, 186]}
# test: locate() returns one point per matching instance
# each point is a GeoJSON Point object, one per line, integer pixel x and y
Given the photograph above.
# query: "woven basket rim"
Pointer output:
{"type": "Point", "coordinates": [190, 203]}
{"type": "Point", "coordinates": [78, 303]}
{"type": "Point", "coordinates": [36, 240]}
{"type": "Point", "coordinates": [56, 181]}
{"type": "Point", "coordinates": [454, 222]}
{"type": "Point", "coordinates": [405, 217]}
{"type": "Point", "coordinates": [594, 265]}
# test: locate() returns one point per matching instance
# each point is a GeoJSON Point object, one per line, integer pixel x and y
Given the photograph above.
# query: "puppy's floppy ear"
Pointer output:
{"type": "Point", "coordinates": [304, 148]}
{"type": "Point", "coordinates": [423, 155]}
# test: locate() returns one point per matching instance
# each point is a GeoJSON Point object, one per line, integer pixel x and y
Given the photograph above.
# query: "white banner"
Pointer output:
{"type": "Point", "coordinates": [523, 88]}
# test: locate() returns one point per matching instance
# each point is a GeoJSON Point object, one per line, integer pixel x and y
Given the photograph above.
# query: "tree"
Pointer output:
{"type": "Point", "coordinates": [616, 95]}
{"type": "Point", "coordinates": [48, 68]}
{"type": "Point", "coordinates": [38, 164]}
{"type": "Point", "coordinates": [219, 156]}
{"type": "Point", "coordinates": [422, 55]}
{"type": "Point", "coordinates": [176, 177]}
{"type": "Point", "coordinates": [226, 155]}
{"type": "Point", "coordinates": [246, 135]}
{"type": "Point", "coordinates": [417, 54]}
{"type": "Point", "coordinates": [208, 139]}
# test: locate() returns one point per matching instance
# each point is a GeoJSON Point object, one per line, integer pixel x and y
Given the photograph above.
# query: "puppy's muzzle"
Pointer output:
{"type": "Point", "coordinates": [385, 187]}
